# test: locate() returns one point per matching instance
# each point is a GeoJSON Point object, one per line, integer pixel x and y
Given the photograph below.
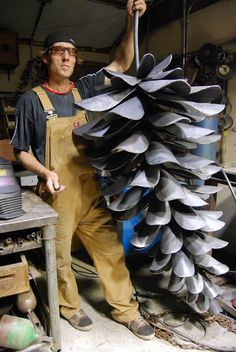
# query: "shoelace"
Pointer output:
{"type": "Point", "coordinates": [138, 322]}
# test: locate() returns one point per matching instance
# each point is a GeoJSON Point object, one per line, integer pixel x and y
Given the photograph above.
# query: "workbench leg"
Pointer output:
{"type": "Point", "coordinates": [50, 256]}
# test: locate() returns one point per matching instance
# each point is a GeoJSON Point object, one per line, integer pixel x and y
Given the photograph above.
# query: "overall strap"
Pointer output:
{"type": "Point", "coordinates": [76, 94]}
{"type": "Point", "coordinates": [45, 101]}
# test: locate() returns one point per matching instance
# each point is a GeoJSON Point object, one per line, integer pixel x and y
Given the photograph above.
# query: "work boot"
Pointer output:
{"type": "Point", "coordinates": [81, 321]}
{"type": "Point", "coordinates": [141, 328]}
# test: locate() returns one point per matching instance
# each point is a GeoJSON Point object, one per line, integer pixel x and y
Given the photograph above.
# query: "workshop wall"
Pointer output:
{"type": "Point", "coordinates": [10, 84]}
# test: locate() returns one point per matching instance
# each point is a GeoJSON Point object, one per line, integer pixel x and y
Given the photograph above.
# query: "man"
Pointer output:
{"type": "Point", "coordinates": [70, 185]}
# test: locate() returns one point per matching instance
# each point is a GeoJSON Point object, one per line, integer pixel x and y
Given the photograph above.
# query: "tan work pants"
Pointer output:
{"type": "Point", "coordinates": [82, 210]}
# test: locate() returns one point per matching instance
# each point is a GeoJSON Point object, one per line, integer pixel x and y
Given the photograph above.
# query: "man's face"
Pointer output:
{"type": "Point", "coordinates": [60, 63]}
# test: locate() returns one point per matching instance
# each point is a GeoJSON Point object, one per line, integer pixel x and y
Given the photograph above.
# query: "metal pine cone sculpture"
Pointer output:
{"type": "Point", "coordinates": [143, 143]}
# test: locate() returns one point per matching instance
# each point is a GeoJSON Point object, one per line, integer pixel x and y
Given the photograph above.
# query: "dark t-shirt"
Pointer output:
{"type": "Point", "coordinates": [30, 131]}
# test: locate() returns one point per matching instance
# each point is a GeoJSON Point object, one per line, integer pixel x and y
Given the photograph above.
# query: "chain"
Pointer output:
{"type": "Point", "coordinates": [163, 332]}
{"type": "Point", "coordinates": [222, 321]}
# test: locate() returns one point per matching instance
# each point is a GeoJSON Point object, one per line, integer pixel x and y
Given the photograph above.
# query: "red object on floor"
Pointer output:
{"type": "Point", "coordinates": [234, 303]}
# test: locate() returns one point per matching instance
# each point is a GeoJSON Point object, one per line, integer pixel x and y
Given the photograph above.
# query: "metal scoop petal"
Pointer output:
{"type": "Point", "coordinates": [185, 131]}
{"type": "Point", "coordinates": [127, 199]}
{"type": "Point", "coordinates": [170, 242]}
{"type": "Point", "coordinates": [146, 65]}
{"type": "Point", "coordinates": [196, 245]}
{"type": "Point", "coordinates": [126, 79]}
{"type": "Point", "coordinates": [145, 235]}
{"type": "Point", "coordinates": [162, 65]}
{"type": "Point", "coordinates": [168, 188]}
{"type": "Point", "coordinates": [203, 303]}
{"type": "Point", "coordinates": [188, 219]}
{"type": "Point", "coordinates": [179, 86]}
{"type": "Point", "coordinates": [211, 264]}
{"type": "Point", "coordinates": [147, 178]}
{"type": "Point", "coordinates": [208, 139]}
{"type": "Point", "coordinates": [204, 94]}
{"type": "Point", "coordinates": [211, 223]}
{"type": "Point", "coordinates": [158, 153]}
{"type": "Point", "coordinates": [158, 213]}
{"type": "Point", "coordinates": [200, 109]}
{"type": "Point", "coordinates": [191, 297]}
{"type": "Point", "coordinates": [176, 73]}
{"type": "Point", "coordinates": [182, 265]}
{"type": "Point", "coordinates": [204, 189]}
{"type": "Point", "coordinates": [104, 101]}
{"type": "Point", "coordinates": [176, 283]}
{"type": "Point", "coordinates": [131, 109]}
{"type": "Point", "coordinates": [214, 307]}
{"type": "Point", "coordinates": [136, 143]}
{"type": "Point", "coordinates": [160, 261]}
{"type": "Point", "coordinates": [192, 199]}
{"type": "Point", "coordinates": [163, 119]}
{"type": "Point", "coordinates": [209, 289]}
{"type": "Point", "coordinates": [191, 161]}
{"type": "Point", "coordinates": [117, 186]}
{"type": "Point", "coordinates": [194, 283]}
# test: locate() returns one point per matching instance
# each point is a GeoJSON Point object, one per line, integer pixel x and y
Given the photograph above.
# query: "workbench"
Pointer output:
{"type": "Point", "coordinates": [39, 214]}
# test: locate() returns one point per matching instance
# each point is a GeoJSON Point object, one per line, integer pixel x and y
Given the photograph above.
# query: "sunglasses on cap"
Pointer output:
{"type": "Point", "coordinates": [60, 50]}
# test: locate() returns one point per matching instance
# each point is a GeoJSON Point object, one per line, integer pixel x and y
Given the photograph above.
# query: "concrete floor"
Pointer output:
{"type": "Point", "coordinates": [106, 335]}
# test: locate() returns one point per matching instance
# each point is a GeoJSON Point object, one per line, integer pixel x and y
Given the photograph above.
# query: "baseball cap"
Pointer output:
{"type": "Point", "coordinates": [58, 37]}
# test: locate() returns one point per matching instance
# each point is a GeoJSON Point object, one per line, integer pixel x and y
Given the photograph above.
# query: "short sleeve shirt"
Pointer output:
{"type": "Point", "coordinates": [30, 130]}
